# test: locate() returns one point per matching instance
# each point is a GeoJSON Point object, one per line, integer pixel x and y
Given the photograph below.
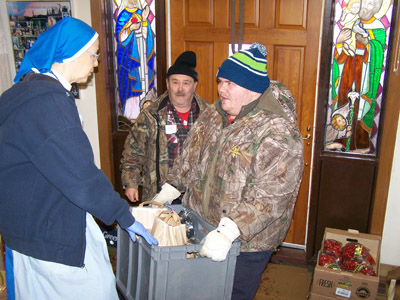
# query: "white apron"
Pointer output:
{"type": "Point", "coordinates": [40, 280]}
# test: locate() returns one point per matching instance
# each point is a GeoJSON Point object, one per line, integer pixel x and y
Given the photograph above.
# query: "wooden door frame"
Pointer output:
{"type": "Point", "coordinates": [105, 93]}
{"type": "Point", "coordinates": [387, 133]}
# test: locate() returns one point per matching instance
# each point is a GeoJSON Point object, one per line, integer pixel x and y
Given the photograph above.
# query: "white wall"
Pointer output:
{"type": "Point", "coordinates": [86, 103]}
{"type": "Point", "coordinates": [390, 249]}
{"type": "Point", "coordinates": [6, 60]}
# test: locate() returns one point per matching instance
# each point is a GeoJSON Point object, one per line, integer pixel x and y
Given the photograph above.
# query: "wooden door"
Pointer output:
{"type": "Point", "coordinates": [349, 190]}
{"type": "Point", "coordinates": [290, 31]}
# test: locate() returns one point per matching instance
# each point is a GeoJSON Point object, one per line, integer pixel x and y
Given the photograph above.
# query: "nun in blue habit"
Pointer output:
{"type": "Point", "coordinates": [50, 186]}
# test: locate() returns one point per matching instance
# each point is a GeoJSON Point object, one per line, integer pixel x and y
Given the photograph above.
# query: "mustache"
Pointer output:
{"type": "Point", "coordinates": [180, 94]}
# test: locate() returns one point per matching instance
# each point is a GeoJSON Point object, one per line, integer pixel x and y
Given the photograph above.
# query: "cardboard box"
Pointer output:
{"type": "Point", "coordinates": [313, 296]}
{"type": "Point", "coordinates": [343, 284]}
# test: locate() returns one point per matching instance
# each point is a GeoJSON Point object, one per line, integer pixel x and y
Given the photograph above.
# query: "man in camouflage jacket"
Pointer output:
{"type": "Point", "coordinates": [241, 167]}
{"type": "Point", "coordinates": [158, 134]}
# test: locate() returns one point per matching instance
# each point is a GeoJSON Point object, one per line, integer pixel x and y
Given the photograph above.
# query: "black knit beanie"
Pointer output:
{"type": "Point", "coordinates": [185, 64]}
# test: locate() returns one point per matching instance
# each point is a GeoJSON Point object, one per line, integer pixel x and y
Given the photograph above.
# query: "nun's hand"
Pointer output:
{"type": "Point", "coordinates": [138, 229]}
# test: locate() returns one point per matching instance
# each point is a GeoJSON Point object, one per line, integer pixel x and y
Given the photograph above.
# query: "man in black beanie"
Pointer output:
{"type": "Point", "coordinates": [158, 134]}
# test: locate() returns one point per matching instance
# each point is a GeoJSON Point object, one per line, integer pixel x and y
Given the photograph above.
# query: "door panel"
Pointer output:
{"type": "Point", "coordinates": [289, 65]}
{"type": "Point", "coordinates": [291, 13]}
{"type": "Point", "coordinates": [290, 31]}
{"type": "Point", "coordinates": [204, 53]}
{"type": "Point", "coordinates": [338, 199]}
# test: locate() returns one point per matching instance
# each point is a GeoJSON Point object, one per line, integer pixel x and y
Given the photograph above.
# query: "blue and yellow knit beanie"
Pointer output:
{"type": "Point", "coordinates": [247, 68]}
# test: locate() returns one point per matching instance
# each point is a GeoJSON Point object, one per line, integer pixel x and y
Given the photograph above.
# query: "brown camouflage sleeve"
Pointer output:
{"type": "Point", "coordinates": [134, 156]}
{"type": "Point", "coordinates": [269, 194]}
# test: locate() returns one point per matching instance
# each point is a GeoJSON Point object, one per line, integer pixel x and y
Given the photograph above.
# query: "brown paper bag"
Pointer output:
{"type": "Point", "coordinates": [168, 230]}
{"type": "Point", "coordinates": [145, 214]}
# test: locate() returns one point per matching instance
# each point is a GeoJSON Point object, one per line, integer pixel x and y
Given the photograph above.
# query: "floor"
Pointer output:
{"type": "Point", "coordinates": [287, 276]}
{"type": "Point", "coordinates": [285, 282]}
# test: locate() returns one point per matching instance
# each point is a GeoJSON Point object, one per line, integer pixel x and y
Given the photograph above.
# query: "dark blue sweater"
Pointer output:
{"type": "Point", "coordinates": [48, 179]}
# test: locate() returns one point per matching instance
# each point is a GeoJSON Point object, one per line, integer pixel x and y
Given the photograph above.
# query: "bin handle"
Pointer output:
{"type": "Point", "coordinates": [153, 203]}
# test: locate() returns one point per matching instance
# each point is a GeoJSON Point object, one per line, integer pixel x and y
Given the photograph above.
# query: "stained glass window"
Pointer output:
{"type": "Point", "coordinates": [135, 57]}
{"type": "Point", "coordinates": [359, 54]}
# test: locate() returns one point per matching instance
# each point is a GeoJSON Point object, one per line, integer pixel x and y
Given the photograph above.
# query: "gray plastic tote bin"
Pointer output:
{"type": "Point", "coordinates": [165, 273]}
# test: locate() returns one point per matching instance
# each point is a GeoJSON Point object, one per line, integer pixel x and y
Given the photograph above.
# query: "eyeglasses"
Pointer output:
{"type": "Point", "coordinates": [95, 55]}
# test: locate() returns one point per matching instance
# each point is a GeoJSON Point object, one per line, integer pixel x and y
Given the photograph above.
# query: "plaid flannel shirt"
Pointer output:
{"type": "Point", "coordinates": [175, 140]}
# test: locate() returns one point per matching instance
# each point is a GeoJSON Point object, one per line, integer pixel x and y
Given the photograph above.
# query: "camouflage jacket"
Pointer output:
{"type": "Point", "coordinates": [138, 163]}
{"type": "Point", "coordinates": [249, 171]}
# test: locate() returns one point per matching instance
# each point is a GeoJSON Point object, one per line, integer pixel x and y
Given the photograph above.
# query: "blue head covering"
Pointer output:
{"type": "Point", "coordinates": [64, 42]}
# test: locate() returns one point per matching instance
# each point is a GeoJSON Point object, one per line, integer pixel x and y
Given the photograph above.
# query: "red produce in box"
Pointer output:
{"type": "Point", "coordinates": [326, 260]}
{"type": "Point", "coordinates": [350, 264]}
{"type": "Point", "coordinates": [370, 259]}
{"type": "Point", "coordinates": [342, 267]}
{"type": "Point", "coordinates": [368, 270]}
{"type": "Point", "coordinates": [354, 250]}
{"type": "Point", "coordinates": [332, 246]}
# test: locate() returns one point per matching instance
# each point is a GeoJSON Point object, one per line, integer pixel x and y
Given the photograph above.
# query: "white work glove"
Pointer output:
{"type": "Point", "coordinates": [219, 241]}
{"type": "Point", "coordinates": [167, 194]}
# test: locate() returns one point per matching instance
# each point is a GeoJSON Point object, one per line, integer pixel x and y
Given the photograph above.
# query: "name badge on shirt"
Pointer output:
{"type": "Point", "coordinates": [170, 129]}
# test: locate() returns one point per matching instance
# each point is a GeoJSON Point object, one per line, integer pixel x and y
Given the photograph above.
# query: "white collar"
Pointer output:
{"type": "Point", "coordinates": [58, 77]}
{"type": "Point", "coordinates": [62, 80]}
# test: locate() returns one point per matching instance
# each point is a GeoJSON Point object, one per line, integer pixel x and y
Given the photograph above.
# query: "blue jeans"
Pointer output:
{"type": "Point", "coordinates": [248, 272]}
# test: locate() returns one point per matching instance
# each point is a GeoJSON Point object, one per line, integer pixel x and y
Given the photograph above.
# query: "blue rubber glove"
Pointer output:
{"type": "Point", "coordinates": [138, 229]}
